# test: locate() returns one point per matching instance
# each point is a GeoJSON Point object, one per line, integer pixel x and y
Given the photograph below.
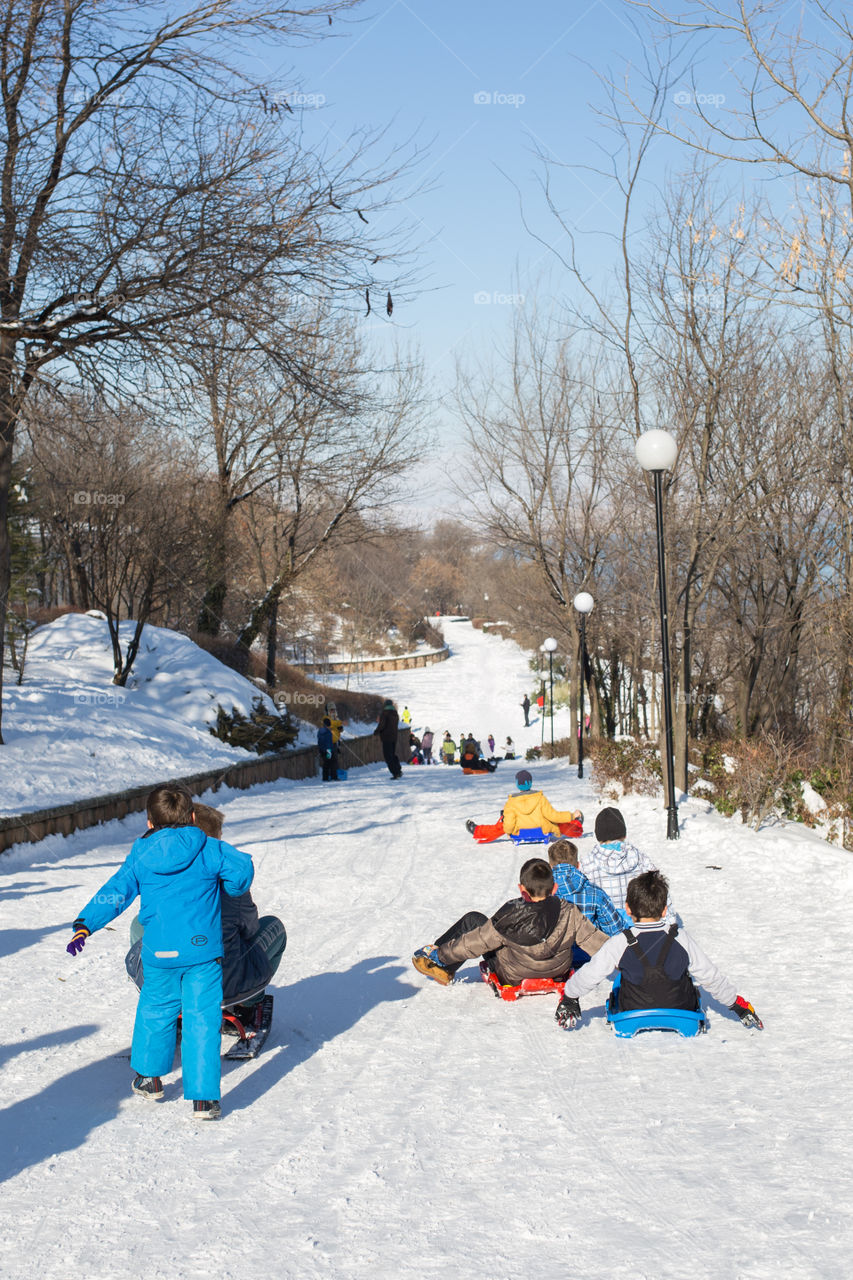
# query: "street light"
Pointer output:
{"type": "Point", "coordinates": [583, 602]}
{"type": "Point", "coordinates": [549, 647]}
{"type": "Point", "coordinates": [656, 452]}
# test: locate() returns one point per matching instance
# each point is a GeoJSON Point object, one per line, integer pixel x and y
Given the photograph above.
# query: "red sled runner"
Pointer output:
{"type": "Point", "coordinates": [527, 987]}
{"type": "Point", "coordinates": [251, 1035]}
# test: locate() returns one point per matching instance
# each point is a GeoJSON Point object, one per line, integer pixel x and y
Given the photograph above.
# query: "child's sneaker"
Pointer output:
{"type": "Point", "coordinates": [426, 962]}
{"type": "Point", "coordinates": [148, 1087]}
{"type": "Point", "coordinates": [207, 1110]}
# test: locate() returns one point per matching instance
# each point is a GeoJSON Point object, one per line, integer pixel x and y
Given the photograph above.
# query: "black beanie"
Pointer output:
{"type": "Point", "coordinates": [609, 826]}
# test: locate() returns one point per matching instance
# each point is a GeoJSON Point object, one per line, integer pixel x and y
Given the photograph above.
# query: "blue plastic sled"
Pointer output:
{"type": "Point", "coordinates": [686, 1022]}
{"type": "Point", "coordinates": [342, 775]}
{"type": "Point", "coordinates": [532, 835]}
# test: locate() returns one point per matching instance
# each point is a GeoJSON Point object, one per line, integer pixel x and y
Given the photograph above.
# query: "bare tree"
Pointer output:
{"type": "Point", "coordinates": [328, 469]}
{"type": "Point", "coordinates": [792, 115]}
{"type": "Point", "coordinates": [540, 444]}
{"type": "Point", "coordinates": [122, 495]}
{"type": "Point", "coordinates": [143, 183]}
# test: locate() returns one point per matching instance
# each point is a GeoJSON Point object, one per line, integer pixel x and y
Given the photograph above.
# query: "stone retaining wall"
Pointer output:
{"type": "Point", "coordinates": [80, 814]}
{"type": "Point", "coordinates": [405, 663]}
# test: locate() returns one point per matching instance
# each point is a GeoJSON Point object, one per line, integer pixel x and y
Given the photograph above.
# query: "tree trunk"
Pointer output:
{"type": "Point", "coordinates": [260, 614]}
{"type": "Point", "coordinates": [272, 642]}
{"type": "Point", "coordinates": [574, 701]}
{"type": "Point", "coordinates": [121, 675]}
{"type": "Point", "coordinates": [209, 619]}
{"type": "Point", "coordinates": [7, 435]}
{"type": "Point", "coordinates": [210, 613]}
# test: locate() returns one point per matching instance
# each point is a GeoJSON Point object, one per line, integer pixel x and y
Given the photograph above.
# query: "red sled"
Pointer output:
{"type": "Point", "coordinates": [527, 987]}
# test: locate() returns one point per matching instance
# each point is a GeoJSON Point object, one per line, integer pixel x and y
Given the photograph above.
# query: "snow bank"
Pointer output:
{"type": "Point", "coordinates": [71, 733]}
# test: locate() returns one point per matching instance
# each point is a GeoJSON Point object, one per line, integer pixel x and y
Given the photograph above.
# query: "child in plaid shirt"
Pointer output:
{"type": "Point", "coordinates": [592, 902]}
{"type": "Point", "coordinates": [574, 886]}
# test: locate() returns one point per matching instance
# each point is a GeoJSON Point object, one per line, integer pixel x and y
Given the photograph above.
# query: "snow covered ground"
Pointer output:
{"type": "Point", "coordinates": [394, 1128]}
{"type": "Point", "coordinates": [71, 733]}
{"type": "Point", "coordinates": [485, 700]}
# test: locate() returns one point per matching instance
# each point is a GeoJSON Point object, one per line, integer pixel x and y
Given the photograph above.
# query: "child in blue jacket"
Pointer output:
{"type": "Point", "coordinates": [176, 870]}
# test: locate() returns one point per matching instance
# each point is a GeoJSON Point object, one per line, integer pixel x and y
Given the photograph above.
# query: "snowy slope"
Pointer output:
{"type": "Point", "coordinates": [486, 700]}
{"type": "Point", "coordinates": [393, 1128]}
{"type": "Point", "coordinates": [71, 733]}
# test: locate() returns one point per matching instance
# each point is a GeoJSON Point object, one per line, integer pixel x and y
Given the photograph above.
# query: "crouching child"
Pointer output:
{"type": "Point", "coordinates": [657, 963]}
{"type": "Point", "coordinates": [176, 871]}
{"type": "Point", "coordinates": [528, 937]}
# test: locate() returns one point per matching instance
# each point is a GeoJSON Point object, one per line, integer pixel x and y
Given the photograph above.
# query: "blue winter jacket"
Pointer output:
{"type": "Point", "coordinates": [325, 741]}
{"type": "Point", "coordinates": [176, 872]}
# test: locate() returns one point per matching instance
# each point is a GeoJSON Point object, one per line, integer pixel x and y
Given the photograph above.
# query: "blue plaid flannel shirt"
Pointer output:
{"type": "Point", "coordinates": [591, 901]}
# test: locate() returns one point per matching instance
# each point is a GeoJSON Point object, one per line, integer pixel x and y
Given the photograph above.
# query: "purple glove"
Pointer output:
{"type": "Point", "coordinates": [78, 941]}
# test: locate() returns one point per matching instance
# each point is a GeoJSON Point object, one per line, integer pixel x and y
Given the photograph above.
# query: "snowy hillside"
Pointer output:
{"type": "Point", "coordinates": [71, 733]}
{"type": "Point", "coordinates": [485, 700]}
{"type": "Point", "coordinates": [396, 1129]}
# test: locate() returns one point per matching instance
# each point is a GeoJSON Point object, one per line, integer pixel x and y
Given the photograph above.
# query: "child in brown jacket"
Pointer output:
{"type": "Point", "coordinates": [528, 937]}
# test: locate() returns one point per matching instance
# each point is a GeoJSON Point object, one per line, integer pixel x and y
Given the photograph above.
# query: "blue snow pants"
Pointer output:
{"type": "Point", "coordinates": [197, 992]}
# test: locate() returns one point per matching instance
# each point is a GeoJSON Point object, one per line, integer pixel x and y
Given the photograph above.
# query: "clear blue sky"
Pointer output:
{"type": "Point", "coordinates": [482, 84]}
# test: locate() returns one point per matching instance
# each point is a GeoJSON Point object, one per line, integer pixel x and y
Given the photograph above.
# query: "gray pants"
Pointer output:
{"type": "Point", "coordinates": [271, 938]}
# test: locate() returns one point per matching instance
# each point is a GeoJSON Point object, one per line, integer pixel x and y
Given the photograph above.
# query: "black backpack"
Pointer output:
{"type": "Point", "coordinates": [660, 983]}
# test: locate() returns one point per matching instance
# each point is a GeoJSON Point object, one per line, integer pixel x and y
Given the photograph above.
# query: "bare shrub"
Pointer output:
{"type": "Point", "coordinates": [625, 765]}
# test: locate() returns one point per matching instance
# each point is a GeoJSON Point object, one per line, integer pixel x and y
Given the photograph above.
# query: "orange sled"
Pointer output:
{"type": "Point", "coordinates": [527, 987]}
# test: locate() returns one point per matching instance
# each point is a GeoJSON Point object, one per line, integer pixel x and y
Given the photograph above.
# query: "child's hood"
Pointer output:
{"type": "Point", "coordinates": [171, 849]}
{"type": "Point", "coordinates": [619, 857]}
{"type": "Point", "coordinates": [526, 801]}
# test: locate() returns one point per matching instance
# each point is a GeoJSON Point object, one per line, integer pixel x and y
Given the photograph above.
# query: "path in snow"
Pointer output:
{"type": "Point", "coordinates": [393, 1128]}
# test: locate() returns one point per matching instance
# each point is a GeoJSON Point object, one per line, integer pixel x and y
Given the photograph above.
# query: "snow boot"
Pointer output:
{"type": "Point", "coordinates": [150, 1087]}
{"type": "Point", "coordinates": [426, 962]}
{"type": "Point", "coordinates": [470, 825]}
{"type": "Point", "coordinates": [207, 1110]}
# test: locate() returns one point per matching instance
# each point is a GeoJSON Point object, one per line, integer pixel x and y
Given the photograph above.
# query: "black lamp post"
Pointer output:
{"type": "Point", "coordinates": [656, 452]}
{"type": "Point", "coordinates": [583, 602]}
{"type": "Point", "coordinates": [549, 646]}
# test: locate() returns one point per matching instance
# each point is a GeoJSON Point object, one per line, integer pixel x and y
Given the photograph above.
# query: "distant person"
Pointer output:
{"type": "Point", "coordinates": [528, 937]}
{"type": "Point", "coordinates": [448, 748]}
{"type": "Point", "coordinates": [525, 706]}
{"type": "Point", "coordinates": [386, 730]}
{"type": "Point", "coordinates": [415, 756]}
{"type": "Point", "coordinates": [326, 750]}
{"type": "Point", "coordinates": [657, 961]}
{"type": "Point", "coordinates": [406, 717]}
{"type": "Point", "coordinates": [177, 873]}
{"type": "Point", "coordinates": [426, 746]}
{"type": "Point", "coordinates": [491, 741]}
{"type": "Point", "coordinates": [337, 725]}
{"type": "Point", "coordinates": [613, 862]}
{"type": "Point", "coordinates": [527, 810]}
{"type": "Point", "coordinates": [509, 749]}
{"type": "Point", "coordinates": [471, 759]}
